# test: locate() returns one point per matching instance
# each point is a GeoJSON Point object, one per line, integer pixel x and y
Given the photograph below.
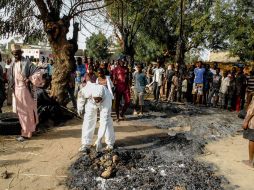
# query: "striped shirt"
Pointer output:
{"type": "Point", "coordinates": [250, 83]}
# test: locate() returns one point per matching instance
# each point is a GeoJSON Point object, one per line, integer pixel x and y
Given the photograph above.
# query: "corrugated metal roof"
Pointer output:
{"type": "Point", "coordinates": [223, 57]}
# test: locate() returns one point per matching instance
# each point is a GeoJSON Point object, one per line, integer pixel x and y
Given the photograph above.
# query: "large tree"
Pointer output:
{"type": "Point", "coordinates": [127, 18]}
{"type": "Point", "coordinates": [50, 18]}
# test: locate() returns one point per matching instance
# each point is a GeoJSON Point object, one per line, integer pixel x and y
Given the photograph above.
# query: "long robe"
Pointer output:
{"type": "Point", "coordinates": [25, 104]}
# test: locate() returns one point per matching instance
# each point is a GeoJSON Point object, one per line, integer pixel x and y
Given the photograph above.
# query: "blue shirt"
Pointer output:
{"type": "Point", "coordinates": [81, 70]}
{"type": "Point", "coordinates": [50, 69]}
{"type": "Point", "coordinates": [140, 81]}
{"type": "Point", "coordinates": [199, 75]}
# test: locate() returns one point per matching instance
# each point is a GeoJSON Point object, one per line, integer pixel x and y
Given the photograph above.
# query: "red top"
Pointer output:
{"type": "Point", "coordinates": [120, 77]}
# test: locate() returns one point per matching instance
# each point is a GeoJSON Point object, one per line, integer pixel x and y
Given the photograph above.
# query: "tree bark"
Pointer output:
{"type": "Point", "coordinates": [180, 51]}
{"type": "Point", "coordinates": [64, 61]}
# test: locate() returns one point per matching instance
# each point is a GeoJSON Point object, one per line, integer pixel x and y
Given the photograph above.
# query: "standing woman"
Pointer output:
{"type": "Point", "coordinates": [90, 75]}
{"type": "Point", "coordinates": [105, 81]}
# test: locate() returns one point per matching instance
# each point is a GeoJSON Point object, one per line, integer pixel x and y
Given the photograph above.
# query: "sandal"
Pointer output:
{"type": "Point", "coordinates": [21, 138]}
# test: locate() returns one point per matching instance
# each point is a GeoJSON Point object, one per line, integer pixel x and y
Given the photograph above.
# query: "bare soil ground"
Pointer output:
{"type": "Point", "coordinates": [227, 154]}
{"type": "Point", "coordinates": [42, 163]}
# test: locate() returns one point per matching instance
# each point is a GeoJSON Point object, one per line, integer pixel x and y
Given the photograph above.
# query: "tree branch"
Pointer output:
{"type": "Point", "coordinates": [80, 3]}
{"type": "Point", "coordinates": [139, 25]}
{"type": "Point", "coordinates": [42, 8]}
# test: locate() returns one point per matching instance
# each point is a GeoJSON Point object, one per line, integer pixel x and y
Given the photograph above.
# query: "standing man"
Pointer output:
{"type": "Point", "coordinates": [208, 78]}
{"type": "Point", "coordinates": [140, 83]}
{"type": "Point", "coordinates": [240, 89]}
{"type": "Point", "coordinates": [198, 83]}
{"type": "Point", "coordinates": [224, 89]}
{"type": "Point", "coordinates": [80, 73]}
{"type": "Point", "coordinates": [121, 81]}
{"type": "Point", "coordinates": [92, 97]}
{"type": "Point", "coordinates": [248, 133]}
{"type": "Point", "coordinates": [158, 80]}
{"type": "Point", "coordinates": [24, 77]}
{"type": "Point", "coordinates": [250, 87]}
{"type": "Point", "coordinates": [149, 73]}
{"type": "Point", "coordinates": [169, 75]}
{"type": "Point", "coordinates": [215, 88]}
{"type": "Point", "coordinates": [190, 79]}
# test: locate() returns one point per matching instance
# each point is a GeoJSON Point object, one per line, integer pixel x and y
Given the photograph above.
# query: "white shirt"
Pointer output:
{"type": "Point", "coordinates": [184, 85]}
{"type": "Point", "coordinates": [224, 85]}
{"type": "Point", "coordinates": [158, 72]}
{"type": "Point", "coordinates": [2, 64]}
{"type": "Point", "coordinates": [7, 66]}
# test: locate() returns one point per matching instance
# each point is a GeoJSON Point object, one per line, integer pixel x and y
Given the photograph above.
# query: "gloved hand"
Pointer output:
{"type": "Point", "coordinates": [98, 145]}
{"type": "Point", "coordinates": [80, 112]}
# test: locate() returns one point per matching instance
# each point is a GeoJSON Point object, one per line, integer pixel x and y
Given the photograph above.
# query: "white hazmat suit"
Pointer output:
{"type": "Point", "coordinates": [86, 98]}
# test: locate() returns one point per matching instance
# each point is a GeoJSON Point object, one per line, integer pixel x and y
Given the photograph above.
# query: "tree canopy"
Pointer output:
{"type": "Point", "coordinates": [97, 46]}
{"type": "Point", "coordinates": [204, 21]}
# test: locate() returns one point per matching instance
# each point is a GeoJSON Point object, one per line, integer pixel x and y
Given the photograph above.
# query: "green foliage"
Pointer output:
{"type": "Point", "coordinates": [97, 46]}
{"type": "Point", "coordinates": [158, 30]}
{"type": "Point", "coordinates": [147, 49]}
{"type": "Point", "coordinates": [127, 17]}
{"type": "Point", "coordinates": [232, 28]}
{"type": "Point", "coordinates": [242, 36]}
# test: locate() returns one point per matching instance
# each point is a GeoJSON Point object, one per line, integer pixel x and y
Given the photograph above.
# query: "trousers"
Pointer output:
{"type": "Point", "coordinates": [156, 91]}
{"type": "Point", "coordinates": [106, 124]}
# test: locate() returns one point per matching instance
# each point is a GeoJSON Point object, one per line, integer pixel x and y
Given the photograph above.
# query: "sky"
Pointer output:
{"type": "Point", "coordinates": [83, 34]}
{"type": "Point", "coordinates": [100, 25]}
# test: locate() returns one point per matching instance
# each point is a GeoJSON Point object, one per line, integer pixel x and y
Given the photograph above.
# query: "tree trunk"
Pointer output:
{"type": "Point", "coordinates": [180, 51]}
{"type": "Point", "coordinates": [64, 61]}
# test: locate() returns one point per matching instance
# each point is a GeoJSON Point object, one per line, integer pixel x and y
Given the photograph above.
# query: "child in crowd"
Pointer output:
{"type": "Point", "coordinates": [174, 87]}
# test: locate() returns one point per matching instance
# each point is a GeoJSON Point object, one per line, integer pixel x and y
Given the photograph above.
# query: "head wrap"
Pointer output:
{"type": "Point", "coordinates": [15, 47]}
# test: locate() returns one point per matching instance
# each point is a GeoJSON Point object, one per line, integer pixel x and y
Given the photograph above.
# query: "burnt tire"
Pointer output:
{"type": "Point", "coordinates": [9, 124]}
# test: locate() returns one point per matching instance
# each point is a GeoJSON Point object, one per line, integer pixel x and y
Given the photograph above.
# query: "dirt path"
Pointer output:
{"type": "Point", "coordinates": [227, 154]}
{"type": "Point", "coordinates": [42, 163]}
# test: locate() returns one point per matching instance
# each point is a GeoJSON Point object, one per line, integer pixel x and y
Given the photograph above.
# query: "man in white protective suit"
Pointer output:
{"type": "Point", "coordinates": [94, 96]}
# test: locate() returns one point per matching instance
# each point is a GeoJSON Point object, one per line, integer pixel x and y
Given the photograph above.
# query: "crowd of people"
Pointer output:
{"type": "Point", "coordinates": [198, 83]}
{"type": "Point", "coordinates": [202, 85]}
{"type": "Point", "coordinates": [94, 86]}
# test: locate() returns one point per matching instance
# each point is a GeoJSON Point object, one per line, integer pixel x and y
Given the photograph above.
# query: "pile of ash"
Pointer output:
{"type": "Point", "coordinates": [142, 169]}
{"type": "Point", "coordinates": [195, 122]}
{"type": "Point", "coordinates": [174, 108]}
{"type": "Point", "coordinates": [166, 162]}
